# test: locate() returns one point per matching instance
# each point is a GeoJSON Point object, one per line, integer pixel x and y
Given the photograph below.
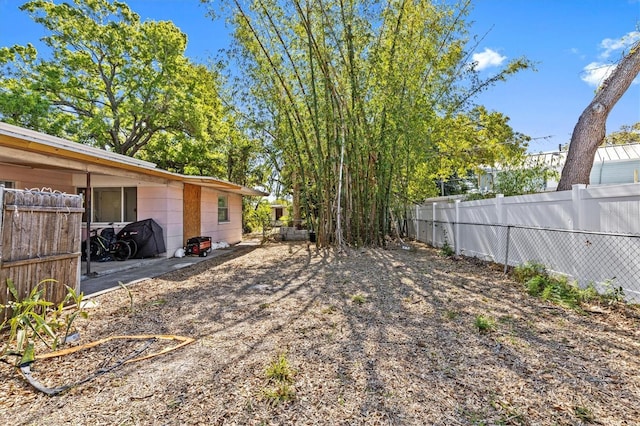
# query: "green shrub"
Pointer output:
{"type": "Point", "coordinates": [612, 293]}
{"type": "Point", "coordinates": [523, 273]}
{"type": "Point", "coordinates": [537, 284]}
{"type": "Point", "coordinates": [559, 290]}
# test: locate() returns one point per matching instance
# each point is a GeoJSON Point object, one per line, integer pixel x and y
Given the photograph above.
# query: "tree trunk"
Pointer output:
{"type": "Point", "coordinates": [590, 130]}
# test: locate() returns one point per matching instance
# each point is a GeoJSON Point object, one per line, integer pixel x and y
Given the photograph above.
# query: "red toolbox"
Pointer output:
{"type": "Point", "coordinates": [198, 246]}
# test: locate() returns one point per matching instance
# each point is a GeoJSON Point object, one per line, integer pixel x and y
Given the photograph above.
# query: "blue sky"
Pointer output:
{"type": "Point", "coordinates": [572, 42]}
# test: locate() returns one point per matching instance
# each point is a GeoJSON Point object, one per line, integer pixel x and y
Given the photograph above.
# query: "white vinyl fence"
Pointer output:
{"type": "Point", "coordinates": [591, 235]}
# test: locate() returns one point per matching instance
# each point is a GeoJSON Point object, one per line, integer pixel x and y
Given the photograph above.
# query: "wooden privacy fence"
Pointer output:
{"type": "Point", "coordinates": [40, 233]}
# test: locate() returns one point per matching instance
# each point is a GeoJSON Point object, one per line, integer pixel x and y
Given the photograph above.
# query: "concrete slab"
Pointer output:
{"type": "Point", "coordinates": [106, 276]}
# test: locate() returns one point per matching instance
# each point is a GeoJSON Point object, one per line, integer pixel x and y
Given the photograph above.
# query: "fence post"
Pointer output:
{"type": "Point", "coordinates": [578, 207]}
{"type": "Point", "coordinates": [456, 229]}
{"type": "Point", "coordinates": [506, 251]}
{"type": "Point", "coordinates": [433, 225]}
{"type": "Point", "coordinates": [417, 223]}
{"type": "Point", "coordinates": [500, 208]}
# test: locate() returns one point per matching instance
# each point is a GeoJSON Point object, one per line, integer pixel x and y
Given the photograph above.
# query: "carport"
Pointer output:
{"type": "Point", "coordinates": [31, 159]}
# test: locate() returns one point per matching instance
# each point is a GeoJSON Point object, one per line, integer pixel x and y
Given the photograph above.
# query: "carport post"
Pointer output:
{"type": "Point", "coordinates": [87, 207]}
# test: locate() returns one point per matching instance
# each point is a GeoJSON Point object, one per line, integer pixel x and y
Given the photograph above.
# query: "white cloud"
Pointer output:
{"type": "Point", "coordinates": [488, 58]}
{"type": "Point", "coordinates": [596, 73]}
{"type": "Point", "coordinates": [611, 45]}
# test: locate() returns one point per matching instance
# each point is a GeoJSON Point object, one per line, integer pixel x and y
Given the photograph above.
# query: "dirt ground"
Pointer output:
{"type": "Point", "coordinates": [371, 337]}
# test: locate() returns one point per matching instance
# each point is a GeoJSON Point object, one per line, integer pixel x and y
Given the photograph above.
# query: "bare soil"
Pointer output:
{"type": "Point", "coordinates": [373, 336]}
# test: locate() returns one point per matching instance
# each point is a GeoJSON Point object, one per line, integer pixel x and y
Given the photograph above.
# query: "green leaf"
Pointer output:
{"type": "Point", "coordinates": [29, 355]}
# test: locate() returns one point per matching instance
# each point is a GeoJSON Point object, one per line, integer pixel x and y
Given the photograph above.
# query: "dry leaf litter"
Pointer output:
{"type": "Point", "coordinates": [372, 336]}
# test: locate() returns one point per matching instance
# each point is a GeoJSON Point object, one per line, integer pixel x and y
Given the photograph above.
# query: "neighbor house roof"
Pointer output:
{"type": "Point", "coordinates": [28, 148]}
{"type": "Point", "coordinates": [618, 152]}
{"type": "Point", "coordinates": [603, 154]}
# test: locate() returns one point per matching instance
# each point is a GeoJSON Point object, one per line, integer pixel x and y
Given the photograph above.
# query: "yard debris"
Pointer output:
{"type": "Point", "coordinates": [134, 356]}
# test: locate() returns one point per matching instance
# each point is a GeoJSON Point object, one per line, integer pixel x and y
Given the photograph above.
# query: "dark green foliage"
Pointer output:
{"type": "Point", "coordinates": [557, 289]}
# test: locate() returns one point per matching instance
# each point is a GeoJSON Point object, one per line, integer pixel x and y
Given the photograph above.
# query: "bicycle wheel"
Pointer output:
{"type": "Point", "coordinates": [96, 251]}
{"type": "Point", "coordinates": [121, 250]}
{"type": "Point", "coordinates": [134, 247]}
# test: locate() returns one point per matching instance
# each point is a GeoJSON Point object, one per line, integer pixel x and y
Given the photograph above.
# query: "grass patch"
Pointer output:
{"type": "Point", "coordinates": [584, 414]}
{"type": "Point", "coordinates": [279, 370]}
{"type": "Point", "coordinates": [451, 315]}
{"type": "Point", "coordinates": [484, 324]}
{"type": "Point", "coordinates": [281, 392]}
{"type": "Point", "coordinates": [358, 299]}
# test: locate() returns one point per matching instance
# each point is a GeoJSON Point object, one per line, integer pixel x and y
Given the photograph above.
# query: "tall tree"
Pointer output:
{"type": "Point", "coordinates": [363, 96]}
{"type": "Point", "coordinates": [589, 132]}
{"type": "Point", "coordinates": [114, 82]}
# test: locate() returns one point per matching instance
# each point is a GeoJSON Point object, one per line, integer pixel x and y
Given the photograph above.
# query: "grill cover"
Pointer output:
{"type": "Point", "coordinates": [148, 236]}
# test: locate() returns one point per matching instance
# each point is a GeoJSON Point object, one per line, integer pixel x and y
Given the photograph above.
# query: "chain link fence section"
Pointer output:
{"type": "Point", "coordinates": [605, 260]}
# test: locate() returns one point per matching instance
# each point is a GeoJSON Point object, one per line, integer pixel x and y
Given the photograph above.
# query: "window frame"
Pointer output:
{"type": "Point", "coordinates": [224, 208]}
{"type": "Point", "coordinates": [125, 198]}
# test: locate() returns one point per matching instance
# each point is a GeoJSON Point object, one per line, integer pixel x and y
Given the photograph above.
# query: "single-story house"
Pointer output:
{"type": "Point", "coordinates": [120, 189]}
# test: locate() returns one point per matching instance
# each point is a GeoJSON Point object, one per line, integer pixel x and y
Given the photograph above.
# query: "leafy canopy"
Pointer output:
{"type": "Point", "coordinates": [114, 82]}
{"type": "Point", "coordinates": [626, 135]}
{"type": "Point", "coordinates": [366, 104]}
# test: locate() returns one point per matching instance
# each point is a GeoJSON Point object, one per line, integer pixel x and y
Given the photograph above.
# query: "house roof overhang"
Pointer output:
{"type": "Point", "coordinates": [27, 148]}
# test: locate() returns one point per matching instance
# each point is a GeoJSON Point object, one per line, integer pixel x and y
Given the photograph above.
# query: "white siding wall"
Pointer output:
{"type": "Point", "coordinates": [229, 232]}
{"type": "Point", "coordinates": [164, 205]}
{"type": "Point", "coordinates": [31, 178]}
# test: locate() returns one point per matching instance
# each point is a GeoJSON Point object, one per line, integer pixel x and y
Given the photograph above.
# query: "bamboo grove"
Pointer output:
{"type": "Point", "coordinates": [368, 103]}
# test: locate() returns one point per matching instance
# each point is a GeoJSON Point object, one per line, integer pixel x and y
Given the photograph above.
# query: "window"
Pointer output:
{"type": "Point", "coordinates": [223, 209]}
{"type": "Point", "coordinates": [6, 183]}
{"type": "Point", "coordinates": [113, 204]}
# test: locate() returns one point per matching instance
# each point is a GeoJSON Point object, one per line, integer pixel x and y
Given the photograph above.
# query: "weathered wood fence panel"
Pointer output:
{"type": "Point", "coordinates": [40, 235]}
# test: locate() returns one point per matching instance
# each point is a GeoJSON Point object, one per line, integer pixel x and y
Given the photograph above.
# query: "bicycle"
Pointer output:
{"type": "Point", "coordinates": [106, 246]}
{"type": "Point", "coordinates": [129, 238]}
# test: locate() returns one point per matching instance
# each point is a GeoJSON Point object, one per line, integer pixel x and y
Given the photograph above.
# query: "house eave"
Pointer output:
{"type": "Point", "coordinates": [83, 158]}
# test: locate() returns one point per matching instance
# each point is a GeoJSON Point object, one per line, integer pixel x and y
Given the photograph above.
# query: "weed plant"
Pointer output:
{"type": "Point", "coordinates": [34, 318]}
{"type": "Point", "coordinates": [559, 290]}
{"type": "Point", "coordinates": [279, 370]}
{"type": "Point", "coordinates": [446, 250]}
{"type": "Point", "coordinates": [281, 377]}
{"type": "Point", "coordinates": [358, 299]}
{"type": "Point", "coordinates": [129, 293]}
{"type": "Point", "coordinates": [484, 324]}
